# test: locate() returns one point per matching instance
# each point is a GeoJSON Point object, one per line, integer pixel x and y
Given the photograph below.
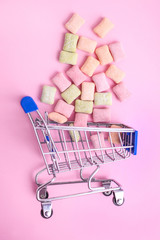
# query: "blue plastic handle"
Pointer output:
{"type": "Point", "coordinates": [28, 104]}
{"type": "Point", "coordinates": [134, 142]}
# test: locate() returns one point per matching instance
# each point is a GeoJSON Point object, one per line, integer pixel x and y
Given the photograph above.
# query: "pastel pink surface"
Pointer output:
{"type": "Point", "coordinates": [61, 82]}
{"type": "Point", "coordinates": [121, 91]}
{"type": "Point", "coordinates": [31, 34]}
{"type": "Point", "coordinates": [101, 82]}
{"type": "Point", "coordinates": [102, 115]}
{"type": "Point", "coordinates": [76, 75]}
{"type": "Point", "coordinates": [64, 108]}
{"type": "Point", "coordinates": [80, 120]}
{"type": "Point", "coordinates": [116, 51]}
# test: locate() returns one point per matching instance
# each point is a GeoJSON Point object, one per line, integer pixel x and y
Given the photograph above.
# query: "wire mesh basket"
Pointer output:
{"type": "Point", "coordinates": [65, 147]}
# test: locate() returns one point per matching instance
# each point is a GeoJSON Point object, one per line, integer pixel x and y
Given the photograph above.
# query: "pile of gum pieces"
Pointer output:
{"type": "Point", "coordinates": [86, 94]}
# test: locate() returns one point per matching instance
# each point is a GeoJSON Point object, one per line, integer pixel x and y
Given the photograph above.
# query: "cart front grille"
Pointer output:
{"type": "Point", "coordinates": [62, 154]}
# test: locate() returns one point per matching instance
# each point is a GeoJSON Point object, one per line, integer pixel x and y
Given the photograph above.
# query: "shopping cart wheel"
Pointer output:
{"type": "Point", "coordinates": [45, 196]}
{"type": "Point", "coordinates": [107, 194]}
{"type": "Point", "coordinates": [118, 197]}
{"type": "Point", "coordinates": [46, 209]}
{"type": "Point", "coordinates": [118, 202]}
{"type": "Point", "coordinates": [46, 216]}
{"type": "Point", "coordinates": [43, 193]}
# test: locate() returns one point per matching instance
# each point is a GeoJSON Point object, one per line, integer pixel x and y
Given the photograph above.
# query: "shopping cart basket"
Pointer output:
{"type": "Point", "coordinates": [61, 153]}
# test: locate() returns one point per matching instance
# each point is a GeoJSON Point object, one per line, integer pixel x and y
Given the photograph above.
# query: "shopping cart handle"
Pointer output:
{"type": "Point", "coordinates": [28, 104]}
{"type": "Point", "coordinates": [135, 143]}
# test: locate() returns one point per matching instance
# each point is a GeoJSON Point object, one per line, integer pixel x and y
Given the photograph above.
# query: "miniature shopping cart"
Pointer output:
{"type": "Point", "coordinates": [61, 153]}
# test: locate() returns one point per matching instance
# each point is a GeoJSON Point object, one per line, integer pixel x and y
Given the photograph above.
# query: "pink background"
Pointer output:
{"type": "Point", "coordinates": [31, 36]}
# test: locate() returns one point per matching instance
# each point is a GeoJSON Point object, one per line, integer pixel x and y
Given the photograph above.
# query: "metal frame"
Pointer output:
{"type": "Point", "coordinates": [79, 156]}
{"type": "Point", "coordinates": [91, 157]}
{"type": "Point", "coordinates": [46, 202]}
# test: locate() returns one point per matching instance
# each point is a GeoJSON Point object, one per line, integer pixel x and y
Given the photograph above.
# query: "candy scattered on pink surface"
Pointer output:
{"type": "Point", "coordinates": [74, 23]}
{"type": "Point", "coordinates": [61, 81]}
{"type": "Point", "coordinates": [114, 136]}
{"type": "Point", "coordinates": [70, 42]}
{"type": "Point", "coordinates": [103, 27]}
{"type": "Point", "coordinates": [90, 66]}
{"type": "Point", "coordinates": [102, 115]}
{"type": "Point", "coordinates": [98, 142]}
{"type": "Point", "coordinates": [116, 51]}
{"type": "Point", "coordinates": [101, 82]}
{"type": "Point", "coordinates": [80, 120]}
{"type": "Point", "coordinates": [68, 57]}
{"type": "Point", "coordinates": [56, 117]}
{"type": "Point", "coordinates": [64, 108]}
{"type": "Point", "coordinates": [121, 91]}
{"type": "Point", "coordinates": [104, 55]}
{"type": "Point", "coordinates": [71, 93]}
{"type": "Point", "coordinates": [103, 99]}
{"type": "Point", "coordinates": [82, 106]}
{"type": "Point", "coordinates": [115, 73]}
{"type": "Point", "coordinates": [86, 44]}
{"type": "Point", "coordinates": [76, 75]}
{"type": "Point", "coordinates": [48, 94]}
{"type": "Point", "coordinates": [87, 91]}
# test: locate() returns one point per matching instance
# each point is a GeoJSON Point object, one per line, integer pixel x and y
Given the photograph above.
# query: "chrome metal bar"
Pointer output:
{"type": "Point", "coordinates": [37, 175]}
{"type": "Point", "coordinates": [64, 150]}
{"type": "Point", "coordinates": [121, 144]}
{"type": "Point", "coordinates": [88, 146]}
{"type": "Point", "coordinates": [83, 145]}
{"type": "Point", "coordinates": [41, 187]}
{"type": "Point", "coordinates": [73, 147]}
{"type": "Point", "coordinates": [50, 137]}
{"type": "Point", "coordinates": [100, 145]}
{"type": "Point", "coordinates": [93, 149]}
{"type": "Point", "coordinates": [112, 145]}
{"type": "Point", "coordinates": [99, 158]}
{"type": "Point", "coordinates": [90, 180]}
{"type": "Point", "coordinates": [88, 129]}
{"type": "Point", "coordinates": [77, 194]}
{"type": "Point", "coordinates": [121, 155]}
{"type": "Point", "coordinates": [68, 162]}
{"type": "Point", "coordinates": [81, 176]}
{"type": "Point", "coordinates": [50, 148]}
{"type": "Point", "coordinates": [130, 140]}
{"type": "Point", "coordinates": [78, 149]}
{"type": "Point", "coordinates": [109, 156]}
{"type": "Point", "coordinates": [36, 133]}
